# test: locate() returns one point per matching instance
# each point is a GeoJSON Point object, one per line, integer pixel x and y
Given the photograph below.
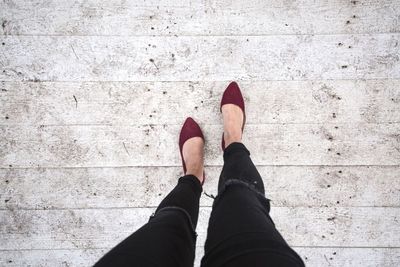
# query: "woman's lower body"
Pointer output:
{"type": "Point", "coordinates": [240, 230]}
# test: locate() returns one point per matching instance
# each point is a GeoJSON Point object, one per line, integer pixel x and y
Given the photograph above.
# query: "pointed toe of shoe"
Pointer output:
{"type": "Point", "coordinates": [233, 95]}
{"type": "Point", "coordinates": [189, 130]}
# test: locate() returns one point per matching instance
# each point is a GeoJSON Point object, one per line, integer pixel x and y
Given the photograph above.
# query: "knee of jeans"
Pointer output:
{"type": "Point", "coordinates": [247, 175]}
{"type": "Point", "coordinates": [176, 210]}
{"type": "Point", "coordinates": [252, 185]}
{"type": "Point", "coordinates": [265, 202]}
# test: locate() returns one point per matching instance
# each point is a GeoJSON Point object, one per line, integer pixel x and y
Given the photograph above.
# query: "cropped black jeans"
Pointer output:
{"type": "Point", "coordinates": [240, 230]}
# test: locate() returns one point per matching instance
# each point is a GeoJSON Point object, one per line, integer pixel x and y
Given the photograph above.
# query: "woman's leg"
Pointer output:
{"type": "Point", "coordinates": [169, 238]}
{"type": "Point", "coordinates": [240, 225]}
{"type": "Point", "coordinates": [240, 229]}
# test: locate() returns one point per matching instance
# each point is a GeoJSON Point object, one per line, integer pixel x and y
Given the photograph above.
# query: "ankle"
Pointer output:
{"type": "Point", "coordinates": [232, 137]}
{"type": "Point", "coordinates": [198, 172]}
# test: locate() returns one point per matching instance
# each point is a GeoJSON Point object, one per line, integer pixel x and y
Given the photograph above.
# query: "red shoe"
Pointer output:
{"type": "Point", "coordinates": [189, 130]}
{"type": "Point", "coordinates": [232, 95]}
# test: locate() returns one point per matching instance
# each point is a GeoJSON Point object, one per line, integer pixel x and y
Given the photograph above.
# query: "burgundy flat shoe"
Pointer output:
{"type": "Point", "coordinates": [189, 130]}
{"type": "Point", "coordinates": [232, 95]}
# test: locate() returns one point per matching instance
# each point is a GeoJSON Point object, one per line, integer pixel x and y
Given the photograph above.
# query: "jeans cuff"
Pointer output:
{"type": "Point", "coordinates": [233, 148]}
{"type": "Point", "coordinates": [191, 179]}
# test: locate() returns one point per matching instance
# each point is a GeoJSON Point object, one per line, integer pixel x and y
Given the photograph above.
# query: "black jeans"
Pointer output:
{"type": "Point", "coordinates": [240, 230]}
